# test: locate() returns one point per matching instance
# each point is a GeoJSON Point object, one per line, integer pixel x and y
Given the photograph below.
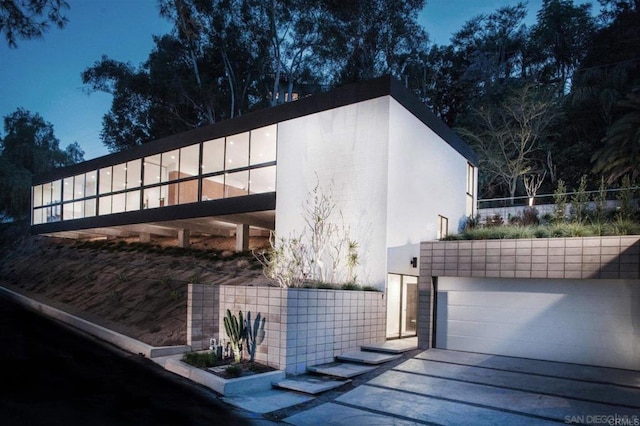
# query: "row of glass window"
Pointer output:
{"type": "Point", "coordinates": [227, 185]}
{"type": "Point", "coordinates": [221, 158]}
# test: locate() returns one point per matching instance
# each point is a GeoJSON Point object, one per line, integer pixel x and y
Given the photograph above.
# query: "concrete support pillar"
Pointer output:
{"type": "Point", "coordinates": [144, 237]}
{"type": "Point", "coordinates": [242, 237]}
{"type": "Point", "coordinates": [183, 238]}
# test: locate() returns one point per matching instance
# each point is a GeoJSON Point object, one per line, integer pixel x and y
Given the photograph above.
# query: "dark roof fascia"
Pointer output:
{"type": "Point", "coordinates": [227, 206]}
{"type": "Point", "coordinates": [342, 96]}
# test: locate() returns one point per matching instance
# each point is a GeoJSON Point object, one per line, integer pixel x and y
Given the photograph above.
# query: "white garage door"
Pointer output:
{"type": "Point", "coordinates": [593, 322]}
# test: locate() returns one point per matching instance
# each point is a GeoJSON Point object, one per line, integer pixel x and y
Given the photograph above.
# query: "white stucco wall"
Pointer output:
{"type": "Point", "coordinates": [345, 150]}
{"type": "Point", "coordinates": [427, 178]}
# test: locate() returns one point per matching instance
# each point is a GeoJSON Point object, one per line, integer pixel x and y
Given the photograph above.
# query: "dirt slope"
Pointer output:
{"type": "Point", "coordinates": [137, 289]}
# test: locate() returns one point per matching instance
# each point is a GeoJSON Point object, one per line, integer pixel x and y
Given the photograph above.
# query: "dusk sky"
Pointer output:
{"type": "Point", "coordinates": [43, 76]}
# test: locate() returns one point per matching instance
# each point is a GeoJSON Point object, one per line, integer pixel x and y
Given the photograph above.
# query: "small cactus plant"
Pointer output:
{"type": "Point", "coordinates": [254, 334]}
{"type": "Point", "coordinates": [236, 331]}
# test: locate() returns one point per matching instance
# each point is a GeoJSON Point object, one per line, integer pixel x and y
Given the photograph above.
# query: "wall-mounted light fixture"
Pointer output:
{"type": "Point", "coordinates": [414, 262]}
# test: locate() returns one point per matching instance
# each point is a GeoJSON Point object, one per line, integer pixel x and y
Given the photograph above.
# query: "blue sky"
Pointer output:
{"type": "Point", "coordinates": [43, 76]}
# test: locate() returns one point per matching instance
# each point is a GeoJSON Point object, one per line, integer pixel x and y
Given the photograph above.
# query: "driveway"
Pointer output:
{"type": "Point", "coordinates": [448, 387]}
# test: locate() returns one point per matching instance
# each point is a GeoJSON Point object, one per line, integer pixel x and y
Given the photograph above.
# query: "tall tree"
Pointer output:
{"type": "Point", "coordinates": [620, 155]}
{"type": "Point", "coordinates": [29, 19]}
{"type": "Point", "coordinates": [562, 36]}
{"type": "Point", "coordinates": [126, 124]}
{"type": "Point", "coordinates": [367, 39]}
{"type": "Point", "coordinates": [609, 71]}
{"type": "Point", "coordinates": [507, 135]}
{"type": "Point", "coordinates": [28, 147]}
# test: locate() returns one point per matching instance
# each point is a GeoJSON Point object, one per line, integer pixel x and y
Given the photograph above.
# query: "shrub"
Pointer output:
{"type": "Point", "coordinates": [493, 221]}
{"type": "Point", "coordinates": [560, 199]}
{"type": "Point", "coordinates": [234, 370]}
{"type": "Point", "coordinates": [528, 217]}
{"type": "Point", "coordinates": [200, 359]}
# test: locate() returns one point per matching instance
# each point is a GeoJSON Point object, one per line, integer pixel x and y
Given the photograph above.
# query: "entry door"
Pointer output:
{"type": "Point", "coordinates": [402, 306]}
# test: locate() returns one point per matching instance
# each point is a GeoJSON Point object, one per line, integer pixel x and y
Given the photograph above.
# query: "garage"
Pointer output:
{"type": "Point", "coordinates": [584, 321]}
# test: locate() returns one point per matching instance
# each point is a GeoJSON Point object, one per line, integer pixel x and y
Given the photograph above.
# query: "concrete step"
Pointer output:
{"type": "Point", "coordinates": [267, 401]}
{"type": "Point", "coordinates": [392, 346]}
{"type": "Point", "coordinates": [340, 369]}
{"type": "Point", "coordinates": [311, 385]}
{"type": "Point", "coordinates": [363, 357]}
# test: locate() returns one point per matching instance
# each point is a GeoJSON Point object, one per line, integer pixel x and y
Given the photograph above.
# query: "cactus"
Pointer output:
{"type": "Point", "coordinates": [254, 334]}
{"type": "Point", "coordinates": [236, 331]}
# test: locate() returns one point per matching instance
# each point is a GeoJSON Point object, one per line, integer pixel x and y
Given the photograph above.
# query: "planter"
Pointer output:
{"type": "Point", "coordinates": [306, 327]}
{"type": "Point", "coordinates": [227, 387]}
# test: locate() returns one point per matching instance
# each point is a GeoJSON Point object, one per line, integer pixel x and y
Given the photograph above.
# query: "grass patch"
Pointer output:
{"type": "Point", "coordinates": [556, 230]}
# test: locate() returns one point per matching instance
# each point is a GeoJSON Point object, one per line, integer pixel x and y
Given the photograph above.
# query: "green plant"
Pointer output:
{"type": "Point", "coordinates": [200, 359]}
{"type": "Point", "coordinates": [236, 332]}
{"type": "Point", "coordinates": [560, 199]}
{"type": "Point", "coordinates": [495, 220]}
{"type": "Point", "coordinates": [600, 200]}
{"type": "Point", "coordinates": [369, 288]}
{"type": "Point", "coordinates": [114, 297]}
{"type": "Point", "coordinates": [175, 295]}
{"type": "Point", "coordinates": [234, 371]}
{"type": "Point", "coordinates": [579, 201]}
{"type": "Point", "coordinates": [350, 286]}
{"type": "Point", "coordinates": [625, 199]}
{"type": "Point", "coordinates": [254, 334]}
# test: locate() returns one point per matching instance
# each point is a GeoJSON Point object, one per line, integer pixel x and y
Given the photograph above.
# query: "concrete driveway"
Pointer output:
{"type": "Point", "coordinates": [448, 387]}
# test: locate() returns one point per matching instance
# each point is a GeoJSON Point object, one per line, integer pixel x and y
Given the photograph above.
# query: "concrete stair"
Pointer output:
{"type": "Point", "coordinates": [324, 377]}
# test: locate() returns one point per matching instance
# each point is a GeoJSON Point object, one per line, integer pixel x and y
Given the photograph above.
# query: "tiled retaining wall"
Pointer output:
{"type": "Point", "coordinates": [202, 315]}
{"type": "Point", "coordinates": [303, 326]}
{"type": "Point", "coordinates": [556, 258]}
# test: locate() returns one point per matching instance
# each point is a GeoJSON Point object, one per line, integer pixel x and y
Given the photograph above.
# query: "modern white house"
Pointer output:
{"type": "Point", "coordinates": [397, 174]}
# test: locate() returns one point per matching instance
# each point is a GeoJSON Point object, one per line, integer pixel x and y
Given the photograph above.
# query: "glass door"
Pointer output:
{"type": "Point", "coordinates": [402, 306]}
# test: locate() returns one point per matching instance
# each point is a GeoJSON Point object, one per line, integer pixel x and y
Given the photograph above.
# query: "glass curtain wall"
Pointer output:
{"type": "Point", "coordinates": [233, 166]}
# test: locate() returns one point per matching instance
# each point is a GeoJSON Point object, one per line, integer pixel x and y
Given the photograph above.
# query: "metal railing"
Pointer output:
{"type": "Point", "coordinates": [544, 199]}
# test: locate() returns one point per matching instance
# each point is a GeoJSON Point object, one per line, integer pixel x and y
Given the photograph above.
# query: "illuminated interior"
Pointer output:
{"type": "Point", "coordinates": [233, 166]}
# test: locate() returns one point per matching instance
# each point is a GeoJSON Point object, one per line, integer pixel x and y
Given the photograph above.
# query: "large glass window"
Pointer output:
{"type": "Point", "coordinates": [105, 180]}
{"type": "Point", "coordinates": [263, 145]}
{"type": "Point", "coordinates": [90, 207]}
{"type": "Point", "coordinates": [237, 152]}
{"type": "Point", "coordinates": [67, 190]}
{"type": "Point", "coordinates": [78, 187]}
{"type": "Point", "coordinates": [91, 182]}
{"type": "Point", "coordinates": [188, 191]}
{"type": "Point", "coordinates": [105, 205]}
{"type": "Point", "coordinates": [133, 201]}
{"type": "Point", "coordinates": [37, 196]}
{"type": "Point", "coordinates": [134, 174]}
{"type": "Point", "coordinates": [213, 156]}
{"type": "Point", "coordinates": [118, 203]}
{"type": "Point", "coordinates": [170, 162]}
{"type": "Point", "coordinates": [152, 172]}
{"type": "Point", "coordinates": [155, 197]}
{"type": "Point", "coordinates": [189, 161]}
{"type": "Point", "coordinates": [119, 177]}
{"type": "Point", "coordinates": [236, 184]}
{"type": "Point", "coordinates": [213, 188]}
{"type": "Point", "coordinates": [262, 180]}
{"type": "Point", "coordinates": [56, 191]}
{"type": "Point", "coordinates": [38, 215]}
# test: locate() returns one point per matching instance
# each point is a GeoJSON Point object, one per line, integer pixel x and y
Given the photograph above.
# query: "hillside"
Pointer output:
{"type": "Point", "coordinates": [139, 290]}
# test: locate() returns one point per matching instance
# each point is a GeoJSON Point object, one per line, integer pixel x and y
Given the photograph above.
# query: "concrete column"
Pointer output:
{"type": "Point", "coordinates": [242, 237]}
{"type": "Point", "coordinates": [183, 238]}
{"type": "Point", "coordinates": [144, 237]}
